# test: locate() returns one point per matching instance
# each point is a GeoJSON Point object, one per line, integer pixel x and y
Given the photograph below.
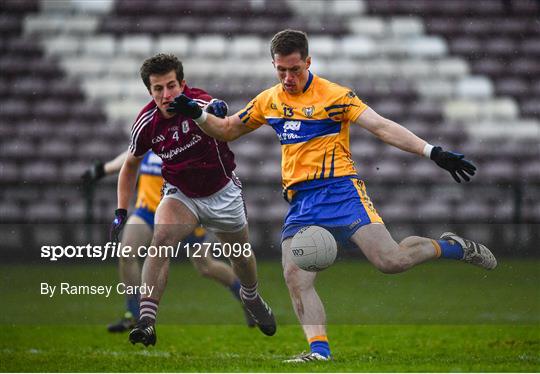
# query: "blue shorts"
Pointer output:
{"type": "Point", "coordinates": [147, 216]}
{"type": "Point", "coordinates": [340, 205]}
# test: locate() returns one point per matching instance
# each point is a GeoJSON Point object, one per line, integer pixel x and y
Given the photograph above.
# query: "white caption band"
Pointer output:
{"type": "Point", "coordinates": [201, 119]}
{"type": "Point", "coordinates": [427, 150]}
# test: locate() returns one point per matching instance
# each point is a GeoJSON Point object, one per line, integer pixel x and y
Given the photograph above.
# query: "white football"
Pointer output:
{"type": "Point", "coordinates": [313, 248]}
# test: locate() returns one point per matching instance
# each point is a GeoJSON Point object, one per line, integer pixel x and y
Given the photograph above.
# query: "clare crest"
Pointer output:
{"type": "Point", "coordinates": [308, 111]}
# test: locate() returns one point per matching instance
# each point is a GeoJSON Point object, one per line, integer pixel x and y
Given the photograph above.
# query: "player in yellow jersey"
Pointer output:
{"type": "Point", "coordinates": [139, 229]}
{"type": "Point", "coordinates": [311, 117]}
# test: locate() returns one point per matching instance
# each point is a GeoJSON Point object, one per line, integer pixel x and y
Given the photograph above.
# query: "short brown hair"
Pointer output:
{"type": "Point", "coordinates": [289, 41]}
{"type": "Point", "coordinates": [161, 64]}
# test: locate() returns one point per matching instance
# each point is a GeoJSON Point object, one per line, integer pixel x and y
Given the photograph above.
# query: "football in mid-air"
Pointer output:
{"type": "Point", "coordinates": [313, 248]}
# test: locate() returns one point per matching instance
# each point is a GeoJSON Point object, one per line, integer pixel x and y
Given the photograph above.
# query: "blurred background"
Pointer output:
{"type": "Point", "coordinates": [461, 74]}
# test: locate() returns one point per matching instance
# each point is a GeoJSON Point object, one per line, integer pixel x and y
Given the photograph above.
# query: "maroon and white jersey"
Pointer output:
{"type": "Point", "coordinates": [196, 163]}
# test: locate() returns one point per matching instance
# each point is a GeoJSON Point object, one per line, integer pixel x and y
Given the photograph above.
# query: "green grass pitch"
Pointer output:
{"type": "Point", "coordinates": [441, 316]}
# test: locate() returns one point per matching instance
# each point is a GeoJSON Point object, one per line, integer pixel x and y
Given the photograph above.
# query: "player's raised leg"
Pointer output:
{"type": "Point", "coordinates": [308, 307]}
{"type": "Point", "coordinates": [136, 233]}
{"type": "Point", "coordinates": [380, 248]}
{"type": "Point", "coordinates": [245, 268]}
{"type": "Point", "coordinates": [173, 222]}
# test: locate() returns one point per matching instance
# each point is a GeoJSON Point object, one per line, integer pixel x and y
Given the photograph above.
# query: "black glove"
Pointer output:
{"type": "Point", "coordinates": [94, 173]}
{"type": "Point", "coordinates": [120, 218]}
{"type": "Point", "coordinates": [218, 108]}
{"type": "Point", "coordinates": [185, 106]}
{"type": "Point", "coordinates": [454, 163]}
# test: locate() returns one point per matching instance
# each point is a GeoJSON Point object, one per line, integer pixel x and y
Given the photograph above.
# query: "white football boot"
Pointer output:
{"type": "Point", "coordinates": [307, 357]}
{"type": "Point", "coordinates": [473, 253]}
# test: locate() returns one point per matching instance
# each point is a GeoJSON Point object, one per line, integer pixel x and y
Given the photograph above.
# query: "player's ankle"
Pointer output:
{"type": "Point", "coordinates": [319, 344]}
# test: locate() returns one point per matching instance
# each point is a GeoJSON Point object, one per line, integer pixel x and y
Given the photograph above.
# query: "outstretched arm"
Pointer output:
{"type": "Point", "coordinates": [394, 134]}
{"type": "Point", "coordinates": [113, 166]}
{"type": "Point", "coordinates": [390, 132]}
{"type": "Point", "coordinates": [224, 129]}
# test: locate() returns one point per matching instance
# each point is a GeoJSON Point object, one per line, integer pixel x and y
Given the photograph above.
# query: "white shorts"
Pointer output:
{"type": "Point", "coordinates": [223, 211]}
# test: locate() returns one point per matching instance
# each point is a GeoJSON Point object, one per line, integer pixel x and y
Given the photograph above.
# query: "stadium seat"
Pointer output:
{"type": "Point", "coordinates": [471, 210]}
{"type": "Point", "coordinates": [357, 46]}
{"type": "Point", "coordinates": [474, 87]}
{"type": "Point", "coordinates": [530, 170]}
{"type": "Point", "coordinates": [426, 47]}
{"type": "Point", "coordinates": [209, 45]}
{"type": "Point", "coordinates": [10, 212]}
{"type": "Point", "coordinates": [99, 46]}
{"type": "Point", "coordinates": [373, 27]}
{"type": "Point", "coordinates": [9, 172]}
{"type": "Point", "coordinates": [322, 46]}
{"type": "Point", "coordinates": [176, 44]}
{"type": "Point", "coordinates": [247, 46]}
{"type": "Point", "coordinates": [402, 27]}
{"type": "Point", "coordinates": [62, 45]}
{"type": "Point", "coordinates": [436, 89]}
{"type": "Point", "coordinates": [450, 67]}
{"type": "Point", "coordinates": [39, 172]}
{"type": "Point", "coordinates": [138, 46]}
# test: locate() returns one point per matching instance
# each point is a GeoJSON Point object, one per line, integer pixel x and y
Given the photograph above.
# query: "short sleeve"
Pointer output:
{"type": "Point", "coordinates": [252, 115]}
{"type": "Point", "coordinates": [354, 107]}
{"type": "Point", "coordinates": [140, 144]}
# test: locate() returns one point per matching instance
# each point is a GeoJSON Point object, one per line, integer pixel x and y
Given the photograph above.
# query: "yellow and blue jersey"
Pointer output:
{"type": "Point", "coordinates": [150, 183]}
{"type": "Point", "coordinates": [312, 127]}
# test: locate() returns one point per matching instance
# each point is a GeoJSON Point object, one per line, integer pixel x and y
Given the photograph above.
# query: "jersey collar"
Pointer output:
{"type": "Point", "coordinates": [308, 83]}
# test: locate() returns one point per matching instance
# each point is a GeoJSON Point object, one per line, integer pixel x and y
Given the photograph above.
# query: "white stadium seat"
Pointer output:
{"type": "Point", "coordinates": [62, 45]}
{"type": "Point", "coordinates": [347, 7]}
{"type": "Point", "coordinates": [247, 46]}
{"type": "Point", "coordinates": [344, 68]}
{"type": "Point", "coordinates": [474, 110]}
{"type": "Point", "coordinates": [415, 68]}
{"type": "Point", "coordinates": [322, 46]}
{"type": "Point", "coordinates": [406, 26]}
{"type": "Point", "coordinates": [178, 45]}
{"type": "Point", "coordinates": [451, 67]}
{"type": "Point", "coordinates": [102, 45]}
{"type": "Point", "coordinates": [40, 24]}
{"type": "Point", "coordinates": [430, 46]}
{"type": "Point", "coordinates": [125, 66]}
{"type": "Point", "coordinates": [80, 24]}
{"type": "Point", "coordinates": [370, 26]}
{"type": "Point", "coordinates": [379, 68]}
{"type": "Point", "coordinates": [210, 45]}
{"type": "Point", "coordinates": [358, 46]}
{"type": "Point", "coordinates": [436, 88]}
{"type": "Point", "coordinates": [88, 67]}
{"type": "Point", "coordinates": [520, 129]}
{"type": "Point", "coordinates": [137, 45]}
{"type": "Point", "coordinates": [501, 108]}
{"type": "Point", "coordinates": [474, 87]}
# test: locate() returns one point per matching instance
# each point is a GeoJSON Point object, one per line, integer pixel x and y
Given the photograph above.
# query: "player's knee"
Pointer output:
{"type": "Point", "coordinates": [163, 238]}
{"type": "Point", "coordinates": [127, 260]}
{"type": "Point", "coordinates": [410, 242]}
{"type": "Point", "coordinates": [391, 265]}
{"type": "Point", "coordinates": [293, 278]}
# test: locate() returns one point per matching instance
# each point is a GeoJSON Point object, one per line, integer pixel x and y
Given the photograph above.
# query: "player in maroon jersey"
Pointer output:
{"type": "Point", "coordinates": [200, 188]}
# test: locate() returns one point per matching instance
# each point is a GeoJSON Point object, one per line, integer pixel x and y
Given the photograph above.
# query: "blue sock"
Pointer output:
{"type": "Point", "coordinates": [449, 250]}
{"type": "Point", "coordinates": [132, 302]}
{"type": "Point", "coordinates": [235, 288]}
{"type": "Point", "coordinates": [321, 347]}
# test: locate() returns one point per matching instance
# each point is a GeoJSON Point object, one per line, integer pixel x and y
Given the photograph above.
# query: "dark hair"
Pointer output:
{"type": "Point", "coordinates": [161, 64]}
{"type": "Point", "coordinates": [289, 41]}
